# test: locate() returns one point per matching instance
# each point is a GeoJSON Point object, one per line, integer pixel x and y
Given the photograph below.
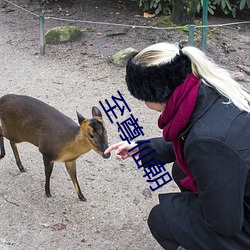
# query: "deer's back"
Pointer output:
{"type": "Point", "coordinates": [24, 118]}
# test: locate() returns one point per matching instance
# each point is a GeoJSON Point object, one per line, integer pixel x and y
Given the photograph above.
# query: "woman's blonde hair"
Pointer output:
{"type": "Point", "coordinates": [202, 67]}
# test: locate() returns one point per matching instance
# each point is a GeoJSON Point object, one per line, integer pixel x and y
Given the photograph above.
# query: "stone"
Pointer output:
{"type": "Point", "coordinates": [2, 3]}
{"type": "Point", "coordinates": [63, 34]}
{"type": "Point", "coordinates": [147, 193]}
{"type": "Point", "coordinates": [121, 58]}
{"type": "Point", "coordinates": [239, 76]}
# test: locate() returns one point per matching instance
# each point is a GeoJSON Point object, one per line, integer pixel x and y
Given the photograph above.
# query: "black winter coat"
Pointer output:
{"type": "Point", "coordinates": [216, 145]}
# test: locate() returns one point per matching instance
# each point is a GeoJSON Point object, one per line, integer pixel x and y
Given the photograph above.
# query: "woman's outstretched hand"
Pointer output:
{"type": "Point", "coordinates": [121, 149]}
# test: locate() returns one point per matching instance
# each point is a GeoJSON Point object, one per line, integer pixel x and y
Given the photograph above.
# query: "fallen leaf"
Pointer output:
{"type": "Point", "coordinates": [147, 15]}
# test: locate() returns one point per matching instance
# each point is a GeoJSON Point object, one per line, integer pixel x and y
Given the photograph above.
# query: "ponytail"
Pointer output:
{"type": "Point", "coordinates": [218, 78]}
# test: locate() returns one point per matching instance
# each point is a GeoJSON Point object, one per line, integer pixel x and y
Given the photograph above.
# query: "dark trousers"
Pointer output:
{"type": "Point", "coordinates": [156, 223]}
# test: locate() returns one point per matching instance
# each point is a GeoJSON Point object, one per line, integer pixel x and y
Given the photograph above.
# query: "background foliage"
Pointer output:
{"type": "Point", "coordinates": [227, 6]}
{"type": "Point", "coordinates": [165, 6]}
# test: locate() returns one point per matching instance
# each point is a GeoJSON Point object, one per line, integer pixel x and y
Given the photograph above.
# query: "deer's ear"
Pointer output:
{"type": "Point", "coordinates": [80, 118]}
{"type": "Point", "coordinates": [96, 111]}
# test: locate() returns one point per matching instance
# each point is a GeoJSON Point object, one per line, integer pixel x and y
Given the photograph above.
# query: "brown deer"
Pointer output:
{"type": "Point", "coordinates": [59, 138]}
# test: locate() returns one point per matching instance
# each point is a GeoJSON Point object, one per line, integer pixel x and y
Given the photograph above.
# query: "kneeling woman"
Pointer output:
{"type": "Point", "coordinates": [205, 118]}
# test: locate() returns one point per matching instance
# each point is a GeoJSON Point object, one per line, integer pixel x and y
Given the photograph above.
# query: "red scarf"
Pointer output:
{"type": "Point", "coordinates": [174, 119]}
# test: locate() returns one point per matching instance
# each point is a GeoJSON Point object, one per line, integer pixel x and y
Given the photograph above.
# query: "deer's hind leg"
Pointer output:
{"type": "Point", "coordinates": [71, 168]}
{"type": "Point", "coordinates": [1, 144]}
{"type": "Point", "coordinates": [15, 151]}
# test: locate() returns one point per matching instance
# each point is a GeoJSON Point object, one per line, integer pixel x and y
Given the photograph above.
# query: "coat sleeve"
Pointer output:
{"type": "Point", "coordinates": [220, 173]}
{"type": "Point", "coordinates": [157, 149]}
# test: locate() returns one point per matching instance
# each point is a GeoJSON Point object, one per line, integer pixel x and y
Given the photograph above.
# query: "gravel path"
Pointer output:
{"type": "Point", "coordinates": [115, 215]}
{"type": "Point", "coordinates": [72, 77]}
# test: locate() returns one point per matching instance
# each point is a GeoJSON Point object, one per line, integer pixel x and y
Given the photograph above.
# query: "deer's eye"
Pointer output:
{"type": "Point", "coordinates": [91, 136]}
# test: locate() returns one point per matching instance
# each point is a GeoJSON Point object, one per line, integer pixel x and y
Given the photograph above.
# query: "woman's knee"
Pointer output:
{"type": "Point", "coordinates": [153, 218]}
{"type": "Point", "coordinates": [159, 229]}
{"type": "Point", "coordinates": [157, 224]}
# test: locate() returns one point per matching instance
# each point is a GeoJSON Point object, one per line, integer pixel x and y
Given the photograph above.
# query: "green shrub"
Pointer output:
{"type": "Point", "coordinates": [232, 6]}
{"type": "Point", "coordinates": [165, 6]}
{"type": "Point", "coordinates": [157, 6]}
{"type": "Point", "coordinates": [211, 7]}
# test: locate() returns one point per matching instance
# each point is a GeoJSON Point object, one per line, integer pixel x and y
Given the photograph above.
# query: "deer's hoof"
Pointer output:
{"type": "Point", "coordinates": [82, 198]}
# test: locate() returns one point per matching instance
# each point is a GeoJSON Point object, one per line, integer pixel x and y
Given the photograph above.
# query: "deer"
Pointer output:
{"type": "Point", "coordinates": [58, 138]}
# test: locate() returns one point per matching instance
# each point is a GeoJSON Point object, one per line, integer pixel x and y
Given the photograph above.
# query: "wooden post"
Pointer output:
{"type": "Point", "coordinates": [191, 35]}
{"type": "Point", "coordinates": [204, 23]}
{"type": "Point", "coordinates": [42, 31]}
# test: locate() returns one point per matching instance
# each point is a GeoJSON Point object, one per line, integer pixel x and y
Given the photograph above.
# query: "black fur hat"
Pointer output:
{"type": "Point", "coordinates": [156, 83]}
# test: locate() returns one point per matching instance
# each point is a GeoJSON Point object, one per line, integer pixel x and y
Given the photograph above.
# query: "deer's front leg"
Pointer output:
{"type": "Point", "coordinates": [71, 168]}
{"type": "Point", "coordinates": [48, 165]}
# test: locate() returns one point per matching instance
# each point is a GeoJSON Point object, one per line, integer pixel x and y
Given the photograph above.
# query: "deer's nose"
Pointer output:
{"type": "Point", "coordinates": [106, 156]}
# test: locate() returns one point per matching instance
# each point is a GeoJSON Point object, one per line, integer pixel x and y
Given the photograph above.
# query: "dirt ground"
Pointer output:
{"type": "Point", "coordinates": [76, 76]}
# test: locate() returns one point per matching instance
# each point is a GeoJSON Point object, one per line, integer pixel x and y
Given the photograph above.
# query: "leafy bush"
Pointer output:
{"type": "Point", "coordinates": [232, 6]}
{"type": "Point", "coordinates": [211, 7]}
{"type": "Point", "coordinates": [165, 6]}
{"type": "Point", "coordinates": [157, 6]}
{"type": "Point", "coordinates": [244, 3]}
{"type": "Point", "coordinates": [225, 5]}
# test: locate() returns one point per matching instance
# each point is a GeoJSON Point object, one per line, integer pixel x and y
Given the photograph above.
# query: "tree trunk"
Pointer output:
{"type": "Point", "coordinates": [183, 11]}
